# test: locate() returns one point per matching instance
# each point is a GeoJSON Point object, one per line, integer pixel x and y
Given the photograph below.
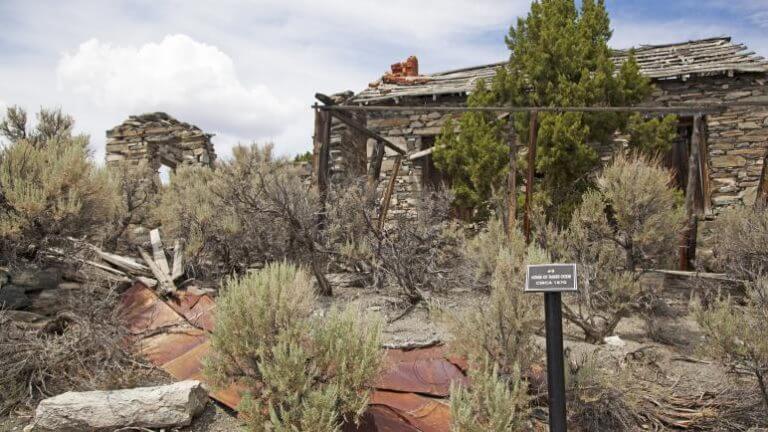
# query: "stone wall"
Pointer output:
{"type": "Point", "coordinates": [737, 139]}
{"type": "Point", "coordinates": [159, 139]}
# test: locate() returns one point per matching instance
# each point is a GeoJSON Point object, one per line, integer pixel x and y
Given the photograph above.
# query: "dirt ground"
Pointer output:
{"type": "Point", "coordinates": [678, 365]}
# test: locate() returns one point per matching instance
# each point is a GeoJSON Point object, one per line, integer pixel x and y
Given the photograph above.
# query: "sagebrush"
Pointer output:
{"type": "Point", "coordinates": [301, 371]}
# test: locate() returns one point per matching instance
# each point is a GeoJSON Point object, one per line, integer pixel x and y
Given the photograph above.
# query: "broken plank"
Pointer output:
{"type": "Point", "coordinates": [157, 251]}
{"type": "Point", "coordinates": [126, 264]}
{"type": "Point", "coordinates": [178, 260]}
{"type": "Point", "coordinates": [163, 279]}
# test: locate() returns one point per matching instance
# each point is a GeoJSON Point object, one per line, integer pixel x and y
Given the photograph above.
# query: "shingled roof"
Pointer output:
{"type": "Point", "coordinates": [712, 56]}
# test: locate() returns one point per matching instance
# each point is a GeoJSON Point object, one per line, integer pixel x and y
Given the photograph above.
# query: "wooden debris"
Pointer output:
{"type": "Point", "coordinates": [390, 190]}
{"type": "Point", "coordinates": [178, 260]}
{"type": "Point", "coordinates": [127, 265]}
{"type": "Point", "coordinates": [163, 278]}
{"type": "Point", "coordinates": [157, 252]}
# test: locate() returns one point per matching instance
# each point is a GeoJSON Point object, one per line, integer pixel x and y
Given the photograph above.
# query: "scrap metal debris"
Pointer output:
{"type": "Point", "coordinates": [173, 333]}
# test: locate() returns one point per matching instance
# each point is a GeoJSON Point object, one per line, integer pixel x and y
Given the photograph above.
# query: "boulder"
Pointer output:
{"type": "Point", "coordinates": [13, 297]}
{"type": "Point", "coordinates": [147, 407]}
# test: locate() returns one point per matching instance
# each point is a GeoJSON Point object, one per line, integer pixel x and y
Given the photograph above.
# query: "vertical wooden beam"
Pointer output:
{"type": "Point", "coordinates": [689, 235]}
{"type": "Point", "coordinates": [512, 178]}
{"type": "Point", "coordinates": [390, 190]}
{"type": "Point", "coordinates": [704, 168]}
{"type": "Point", "coordinates": [534, 131]}
{"type": "Point", "coordinates": [762, 187]}
{"type": "Point", "coordinates": [356, 146]}
{"type": "Point", "coordinates": [374, 168]}
{"type": "Point", "coordinates": [322, 151]}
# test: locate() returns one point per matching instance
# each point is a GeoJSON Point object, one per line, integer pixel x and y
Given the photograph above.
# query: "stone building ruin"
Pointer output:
{"type": "Point", "coordinates": [159, 140]}
{"type": "Point", "coordinates": [702, 72]}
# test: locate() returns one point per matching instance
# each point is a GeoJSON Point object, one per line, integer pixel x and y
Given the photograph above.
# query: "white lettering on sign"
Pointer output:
{"type": "Point", "coordinates": [551, 278]}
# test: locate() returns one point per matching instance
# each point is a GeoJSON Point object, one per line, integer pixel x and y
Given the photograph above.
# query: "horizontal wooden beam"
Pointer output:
{"type": "Point", "coordinates": [680, 109]}
{"type": "Point", "coordinates": [421, 154]}
{"type": "Point", "coordinates": [354, 124]}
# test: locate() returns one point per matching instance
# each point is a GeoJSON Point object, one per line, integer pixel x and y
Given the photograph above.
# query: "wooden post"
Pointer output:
{"type": "Point", "coordinates": [534, 130]}
{"type": "Point", "coordinates": [322, 152]}
{"type": "Point", "coordinates": [688, 238]}
{"type": "Point", "coordinates": [374, 168]}
{"type": "Point", "coordinates": [762, 187]}
{"type": "Point", "coordinates": [512, 179]}
{"type": "Point", "coordinates": [389, 192]}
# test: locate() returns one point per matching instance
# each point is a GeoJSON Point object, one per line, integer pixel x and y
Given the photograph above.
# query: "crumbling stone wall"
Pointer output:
{"type": "Point", "coordinates": [159, 139]}
{"type": "Point", "coordinates": [737, 140]}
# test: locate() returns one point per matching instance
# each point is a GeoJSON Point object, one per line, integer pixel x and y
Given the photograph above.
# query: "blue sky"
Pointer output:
{"type": "Point", "coordinates": [247, 70]}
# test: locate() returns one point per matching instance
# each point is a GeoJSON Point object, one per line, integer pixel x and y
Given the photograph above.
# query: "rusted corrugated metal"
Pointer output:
{"type": "Point", "coordinates": [411, 393]}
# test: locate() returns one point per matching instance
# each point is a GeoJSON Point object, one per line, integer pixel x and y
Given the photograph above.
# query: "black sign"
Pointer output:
{"type": "Point", "coordinates": [551, 278]}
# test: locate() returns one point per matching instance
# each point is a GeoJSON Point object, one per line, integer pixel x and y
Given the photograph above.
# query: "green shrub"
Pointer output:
{"type": "Point", "coordinates": [492, 403]}
{"type": "Point", "coordinates": [301, 371]}
{"type": "Point", "coordinates": [501, 328]}
{"type": "Point", "coordinates": [251, 210]}
{"type": "Point", "coordinates": [626, 224]}
{"type": "Point", "coordinates": [49, 190]}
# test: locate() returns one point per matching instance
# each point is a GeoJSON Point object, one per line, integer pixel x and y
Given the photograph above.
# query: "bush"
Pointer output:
{"type": "Point", "coordinates": [49, 190]}
{"type": "Point", "coordinates": [595, 401]}
{"type": "Point", "coordinates": [134, 195]}
{"type": "Point", "coordinates": [738, 333]}
{"type": "Point", "coordinates": [302, 372]}
{"type": "Point", "coordinates": [251, 210]}
{"type": "Point", "coordinates": [626, 224]}
{"type": "Point", "coordinates": [189, 210]}
{"type": "Point", "coordinates": [740, 237]}
{"type": "Point", "coordinates": [81, 348]}
{"type": "Point", "coordinates": [492, 403]}
{"type": "Point", "coordinates": [502, 328]}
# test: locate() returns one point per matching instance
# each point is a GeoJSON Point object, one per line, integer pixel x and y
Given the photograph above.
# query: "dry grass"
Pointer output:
{"type": "Point", "coordinates": [81, 348]}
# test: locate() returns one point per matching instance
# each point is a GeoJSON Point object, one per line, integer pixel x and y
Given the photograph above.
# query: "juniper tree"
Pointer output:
{"type": "Point", "coordinates": [559, 56]}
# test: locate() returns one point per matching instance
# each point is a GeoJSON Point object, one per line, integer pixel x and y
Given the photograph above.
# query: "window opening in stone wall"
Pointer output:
{"type": "Point", "coordinates": [164, 174]}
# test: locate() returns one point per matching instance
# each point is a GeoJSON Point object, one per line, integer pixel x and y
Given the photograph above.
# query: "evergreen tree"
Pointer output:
{"type": "Point", "coordinates": [559, 56]}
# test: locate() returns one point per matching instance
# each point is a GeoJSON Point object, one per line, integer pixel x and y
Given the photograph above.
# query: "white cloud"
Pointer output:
{"type": "Point", "coordinates": [189, 79]}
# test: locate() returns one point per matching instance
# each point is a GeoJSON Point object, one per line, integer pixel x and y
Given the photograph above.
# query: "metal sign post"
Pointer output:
{"type": "Point", "coordinates": [553, 279]}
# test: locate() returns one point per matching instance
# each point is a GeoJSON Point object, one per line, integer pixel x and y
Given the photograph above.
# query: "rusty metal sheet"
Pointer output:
{"type": "Point", "coordinates": [197, 309]}
{"type": "Point", "coordinates": [381, 419]}
{"type": "Point", "coordinates": [163, 333]}
{"type": "Point", "coordinates": [166, 346]}
{"type": "Point", "coordinates": [143, 311]}
{"type": "Point", "coordinates": [425, 413]}
{"type": "Point", "coordinates": [431, 376]}
{"type": "Point", "coordinates": [399, 355]}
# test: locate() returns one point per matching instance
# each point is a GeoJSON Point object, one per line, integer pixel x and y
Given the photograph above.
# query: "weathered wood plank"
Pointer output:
{"type": "Point", "coordinates": [164, 279]}
{"type": "Point", "coordinates": [690, 231]}
{"type": "Point", "coordinates": [158, 254]}
{"type": "Point", "coordinates": [178, 260]}
{"type": "Point", "coordinates": [390, 191]}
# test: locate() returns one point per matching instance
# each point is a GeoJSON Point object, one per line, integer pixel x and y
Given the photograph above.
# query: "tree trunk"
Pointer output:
{"type": "Point", "coordinates": [323, 286]}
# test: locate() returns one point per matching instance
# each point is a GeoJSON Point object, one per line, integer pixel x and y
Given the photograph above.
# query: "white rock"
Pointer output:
{"type": "Point", "coordinates": [614, 341]}
{"type": "Point", "coordinates": [149, 407]}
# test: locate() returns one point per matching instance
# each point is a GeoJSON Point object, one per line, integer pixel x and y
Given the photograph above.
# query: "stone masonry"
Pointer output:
{"type": "Point", "coordinates": [159, 139]}
{"type": "Point", "coordinates": [706, 72]}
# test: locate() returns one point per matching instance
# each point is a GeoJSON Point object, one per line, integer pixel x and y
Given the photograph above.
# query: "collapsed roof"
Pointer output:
{"type": "Point", "coordinates": [705, 57]}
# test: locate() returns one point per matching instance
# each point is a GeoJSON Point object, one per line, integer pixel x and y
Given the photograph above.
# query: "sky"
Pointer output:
{"type": "Point", "coordinates": [247, 70]}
